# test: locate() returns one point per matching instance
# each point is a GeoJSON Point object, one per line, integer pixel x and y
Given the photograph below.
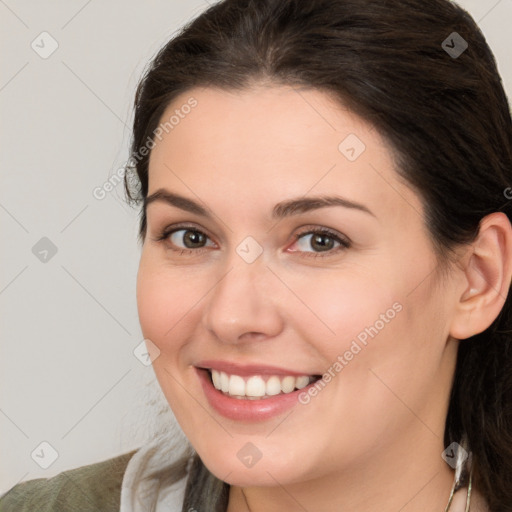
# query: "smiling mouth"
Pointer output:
{"type": "Point", "coordinates": [258, 387]}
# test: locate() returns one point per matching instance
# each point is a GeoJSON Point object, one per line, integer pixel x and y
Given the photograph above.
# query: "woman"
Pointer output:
{"type": "Point", "coordinates": [326, 260]}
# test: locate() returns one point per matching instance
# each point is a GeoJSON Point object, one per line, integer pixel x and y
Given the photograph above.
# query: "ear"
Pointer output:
{"type": "Point", "coordinates": [487, 275]}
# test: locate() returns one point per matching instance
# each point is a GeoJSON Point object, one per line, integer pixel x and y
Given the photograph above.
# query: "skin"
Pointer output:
{"type": "Point", "coordinates": [372, 438]}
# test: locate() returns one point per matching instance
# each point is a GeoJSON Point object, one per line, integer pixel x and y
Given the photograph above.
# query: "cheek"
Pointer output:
{"type": "Point", "coordinates": [165, 301]}
{"type": "Point", "coordinates": [368, 327]}
{"type": "Point", "coordinates": [341, 306]}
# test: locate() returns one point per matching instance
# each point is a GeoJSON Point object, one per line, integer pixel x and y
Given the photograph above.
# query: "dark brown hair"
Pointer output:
{"type": "Point", "coordinates": [445, 117]}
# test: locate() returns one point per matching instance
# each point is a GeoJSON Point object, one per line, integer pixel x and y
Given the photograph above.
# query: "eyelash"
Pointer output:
{"type": "Point", "coordinates": [344, 243]}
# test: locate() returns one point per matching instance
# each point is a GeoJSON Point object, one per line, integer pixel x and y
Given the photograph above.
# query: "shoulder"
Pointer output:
{"type": "Point", "coordinates": [92, 488]}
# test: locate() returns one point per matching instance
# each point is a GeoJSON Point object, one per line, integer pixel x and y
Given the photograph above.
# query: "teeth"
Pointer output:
{"type": "Point", "coordinates": [224, 382]}
{"type": "Point", "coordinates": [256, 386]}
{"type": "Point", "coordinates": [302, 382]}
{"type": "Point", "coordinates": [217, 380]}
{"type": "Point", "coordinates": [236, 385]}
{"type": "Point", "coordinates": [273, 386]}
{"type": "Point", "coordinates": [288, 384]}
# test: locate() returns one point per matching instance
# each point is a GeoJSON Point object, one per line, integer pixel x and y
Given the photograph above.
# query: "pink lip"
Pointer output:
{"type": "Point", "coordinates": [246, 370]}
{"type": "Point", "coordinates": [247, 410]}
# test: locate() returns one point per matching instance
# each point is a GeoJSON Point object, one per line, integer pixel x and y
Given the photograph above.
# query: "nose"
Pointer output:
{"type": "Point", "coordinates": [244, 304]}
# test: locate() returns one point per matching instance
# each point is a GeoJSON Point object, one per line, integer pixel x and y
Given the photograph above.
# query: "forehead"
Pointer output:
{"type": "Point", "coordinates": [273, 142]}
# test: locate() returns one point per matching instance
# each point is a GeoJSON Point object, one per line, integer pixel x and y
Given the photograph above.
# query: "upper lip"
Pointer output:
{"type": "Point", "coordinates": [248, 369]}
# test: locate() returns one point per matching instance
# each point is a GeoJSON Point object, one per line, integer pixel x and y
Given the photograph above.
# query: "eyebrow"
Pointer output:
{"type": "Point", "coordinates": [283, 209]}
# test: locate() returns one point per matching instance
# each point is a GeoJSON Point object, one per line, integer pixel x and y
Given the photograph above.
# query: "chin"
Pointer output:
{"type": "Point", "coordinates": [234, 465]}
{"type": "Point", "coordinates": [260, 475]}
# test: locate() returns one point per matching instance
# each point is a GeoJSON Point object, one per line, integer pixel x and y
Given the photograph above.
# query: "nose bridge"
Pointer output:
{"type": "Point", "coordinates": [241, 300]}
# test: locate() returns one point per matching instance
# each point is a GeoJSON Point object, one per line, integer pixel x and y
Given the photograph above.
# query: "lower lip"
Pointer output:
{"type": "Point", "coordinates": [240, 409]}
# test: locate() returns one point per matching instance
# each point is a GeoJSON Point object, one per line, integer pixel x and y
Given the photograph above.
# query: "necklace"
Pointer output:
{"type": "Point", "coordinates": [455, 482]}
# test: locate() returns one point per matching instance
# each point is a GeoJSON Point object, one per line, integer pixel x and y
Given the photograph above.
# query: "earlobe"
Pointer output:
{"type": "Point", "coordinates": [487, 278]}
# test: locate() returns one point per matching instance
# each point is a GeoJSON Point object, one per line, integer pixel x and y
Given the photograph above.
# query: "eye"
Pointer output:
{"type": "Point", "coordinates": [184, 239]}
{"type": "Point", "coordinates": [314, 242]}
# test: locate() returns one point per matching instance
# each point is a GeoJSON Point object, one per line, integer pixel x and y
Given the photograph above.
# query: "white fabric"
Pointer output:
{"type": "Point", "coordinates": [137, 496]}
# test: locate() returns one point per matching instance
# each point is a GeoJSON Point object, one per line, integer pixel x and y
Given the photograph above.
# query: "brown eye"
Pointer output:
{"type": "Point", "coordinates": [190, 238]}
{"type": "Point", "coordinates": [184, 239]}
{"type": "Point", "coordinates": [316, 242]}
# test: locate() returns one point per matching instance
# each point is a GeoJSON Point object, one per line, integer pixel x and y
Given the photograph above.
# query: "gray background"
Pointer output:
{"type": "Point", "coordinates": [68, 374]}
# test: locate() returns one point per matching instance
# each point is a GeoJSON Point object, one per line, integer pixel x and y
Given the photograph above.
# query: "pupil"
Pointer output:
{"type": "Point", "coordinates": [317, 240]}
{"type": "Point", "coordinates": [193, 237]}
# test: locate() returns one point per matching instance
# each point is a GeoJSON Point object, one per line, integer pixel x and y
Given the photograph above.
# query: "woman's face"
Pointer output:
{"type": "Point", "coordinates": [292, 250]}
